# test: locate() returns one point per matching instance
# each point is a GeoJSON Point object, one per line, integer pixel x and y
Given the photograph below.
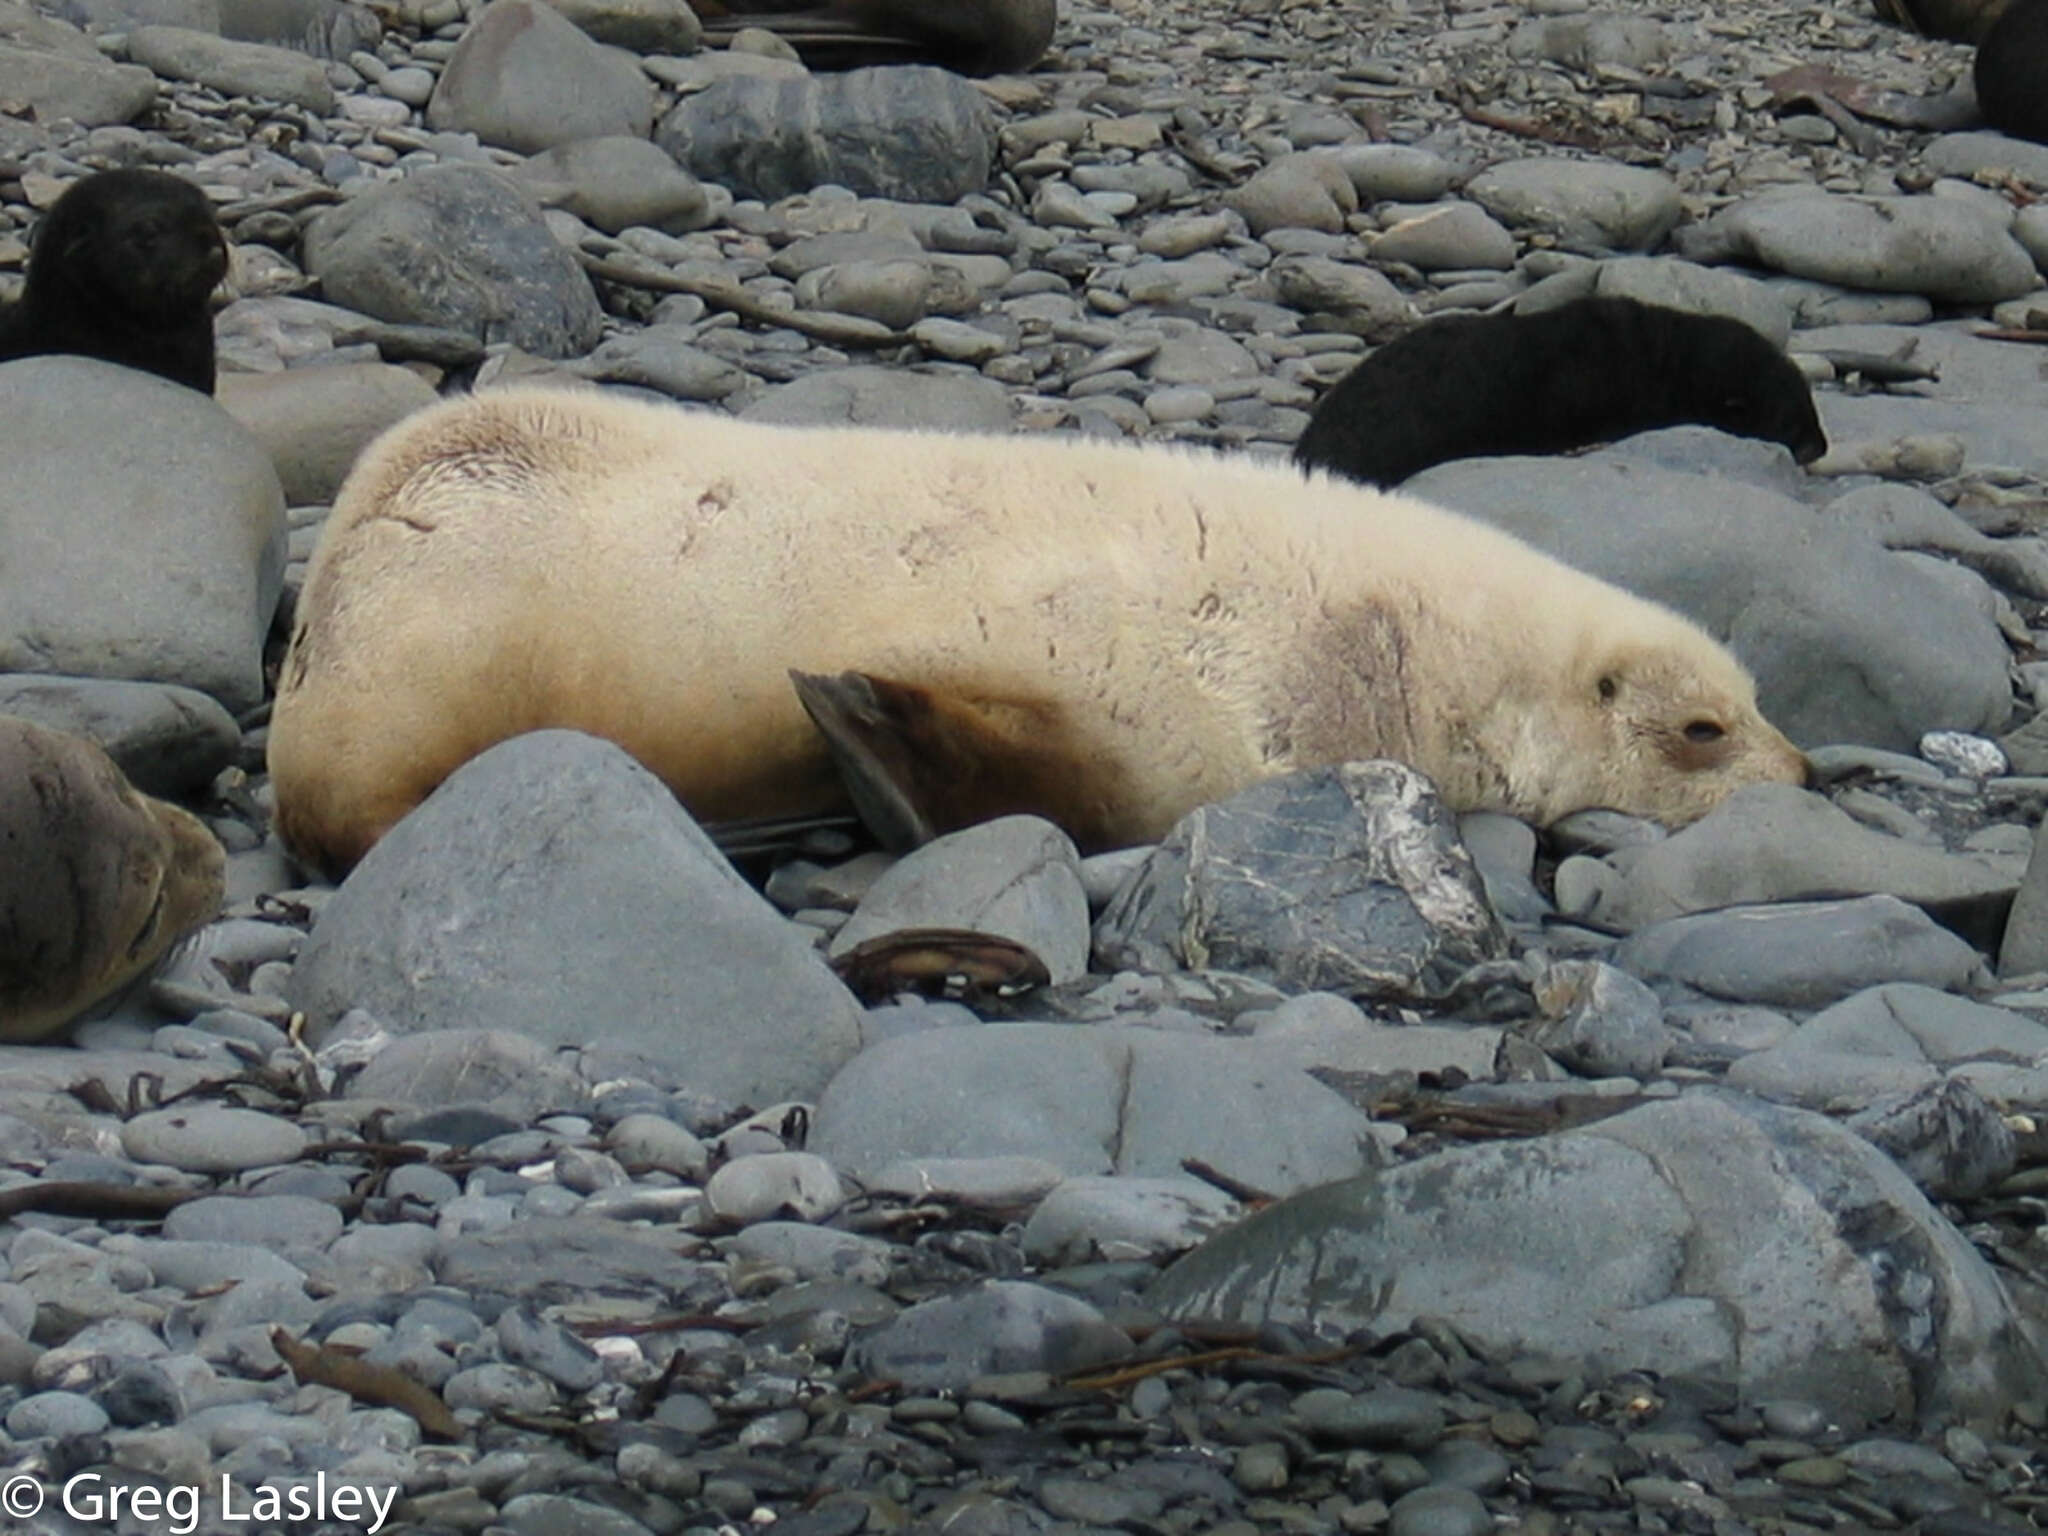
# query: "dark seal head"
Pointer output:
{"type": "Point", "coordinates": [2012, 72]}
{"type": "Point", "coordinates": [975, 37]}
{"type": "Point", "coordinates": [122, 268]}
{"type": "Point", "coordinates": [1585, 372]}
{"type": "Point", "coordinates": [96, 879]}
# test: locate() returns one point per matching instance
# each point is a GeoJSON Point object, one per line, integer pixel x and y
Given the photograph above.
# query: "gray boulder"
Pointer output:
{"type": "Point", "coordinates": [1713, 1235]}
{"type": "Point", "coordinates": [1848, 641]}
{"type": "Point", "coordinates": [314, 421]}
{"type": "Point", "coordinates": [1106, 1099]}
{"type": "Point", "coordinates": [554, 888]}
{"type": "Point", "coordinates": [618, 182]}
{"type": "Point", "coordinates": [1591, 205]}
{"type": "Point", "coordinates": [1804, 954]}
{"type": "Point", "coordinates": [54, 71]}
{"type": "Point", "coordinates": [1348, 879]}
{"type": "Point", "coordinates": [909, 131]}
{"type": "Point", "coordinates": [233, 68]}
{"type": "Point", "coordinates": [461, 246]}
{"type": "Point", "coordinates": [523, 77]}
{"type": "Point", "coordinates": [119, 482]}
{"type": "Point", "coordinates": [1948, 248]}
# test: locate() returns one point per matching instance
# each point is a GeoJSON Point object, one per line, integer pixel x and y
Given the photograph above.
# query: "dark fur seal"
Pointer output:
{"type": "Point", "coordinates": [121, 269]}
{"type": "Point", "coordinates": [96, 880]}
{"type": "Point", "coordinates": [975, 37]}
{"type": "Point", "coordinates": [2012, 72]}
{"type": "Point", "coordinates": [1585, 372]}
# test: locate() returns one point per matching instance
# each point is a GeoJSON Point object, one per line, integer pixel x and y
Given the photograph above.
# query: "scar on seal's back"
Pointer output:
{"type": "Point", "coordinates": [1105, 634]}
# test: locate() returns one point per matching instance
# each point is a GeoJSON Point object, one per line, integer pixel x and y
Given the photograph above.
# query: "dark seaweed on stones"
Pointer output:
{"type": "Point", "coordinates": [121, 269]}
{"type": "Point", "coordinates": [1585, 372]}
{"type": "Point", "coordinates": [2012, 72]}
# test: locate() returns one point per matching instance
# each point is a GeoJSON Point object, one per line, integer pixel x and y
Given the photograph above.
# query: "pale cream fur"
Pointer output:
{"type": "Point", "coordinates": [650, 574]}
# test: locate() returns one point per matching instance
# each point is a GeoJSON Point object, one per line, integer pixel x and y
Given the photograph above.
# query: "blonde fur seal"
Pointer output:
{"type": "Point", "coordinates": [1105, 634]}
{"type": "Point", "coordinates": [96, 880]}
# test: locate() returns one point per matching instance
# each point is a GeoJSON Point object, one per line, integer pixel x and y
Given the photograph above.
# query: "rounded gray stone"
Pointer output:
{"type": "Point", "coordinates": [206, 1138]}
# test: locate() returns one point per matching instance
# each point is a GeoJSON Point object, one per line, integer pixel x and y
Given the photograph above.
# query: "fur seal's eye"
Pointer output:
{"type": "Point", "coordinates": [1703, 731]}
{"type": "Point", "coordinates": [1610, 685]}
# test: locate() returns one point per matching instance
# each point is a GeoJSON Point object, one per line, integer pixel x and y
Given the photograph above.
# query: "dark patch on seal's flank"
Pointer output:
{"type": "Point", "coordinates": [2012, 72]}
{"type": "Point", "coordinates": [121, 269]}
{"type": "Point", "coordinates": [1586, 372]}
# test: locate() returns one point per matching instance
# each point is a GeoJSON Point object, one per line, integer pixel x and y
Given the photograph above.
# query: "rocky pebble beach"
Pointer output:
{"type": "Point", "coordinates": [1340, 1165]}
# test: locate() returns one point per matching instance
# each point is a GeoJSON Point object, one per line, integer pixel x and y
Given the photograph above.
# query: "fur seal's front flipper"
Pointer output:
{"type": "Point", "coordinates": [916, 762]}
{"type": "Point", "coordinates": [868, 724]}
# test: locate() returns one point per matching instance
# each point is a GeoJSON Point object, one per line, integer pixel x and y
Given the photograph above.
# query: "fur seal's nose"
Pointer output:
{"type": "Point", "coordinates": [1810, 448]}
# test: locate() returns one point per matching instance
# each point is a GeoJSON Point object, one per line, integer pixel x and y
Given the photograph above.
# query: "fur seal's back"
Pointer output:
{"type": "Point", "coordinates": [1586, 372]}
{"type": "Point", "coordinates": [1113, 634]}
{"type": "Point", "coordinates": [2011, 71]}
{"type": "Point", "coordinates": [96, 880]}
{"type": "Point", "coordinates": [122, 267]}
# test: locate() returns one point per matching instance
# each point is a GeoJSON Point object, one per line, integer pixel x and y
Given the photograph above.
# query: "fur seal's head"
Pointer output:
{"type": "Point", "coordinates": [1733, 378]}
{"type": "Point", "coordinates": [143, 243]}
{"type": "Point", "coordinates": [96, 880]}
{"type": "Point", "coordinates": [1662, 725]}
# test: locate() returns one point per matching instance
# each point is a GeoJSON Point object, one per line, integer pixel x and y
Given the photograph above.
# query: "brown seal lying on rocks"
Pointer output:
{"type": "Point", "coordinates": [2011, 72]}
{"type": "Point", "coordinates": [121, 269]}
{"type": "Point", "coordinates": [1586, 372]}
{"type": "Point", "coordinates": [96, 880]}
{"type": "Point", "coordinates": [975, 37]}
{"type": "Point", "coordinates": [1106, 634]}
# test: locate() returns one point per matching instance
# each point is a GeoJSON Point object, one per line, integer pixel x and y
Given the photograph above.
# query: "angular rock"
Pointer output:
{"type": "Point", "coordinates": [1800, 954]}
{"type": "Point", "coordinates": [1946, 1138]}
{"type": "Point", "coordinates": [554, 888]}
{"type": "Point", "coordinates": [1598, 1021]}
{"type": "Point", "coordinates": [662, 357]}
{"type": "Point", "coordinates": [1587, 204]}
{"type": "Point", "coordinates": [1459, 236]}
{"type": "Point", "coordinates": [523, 77]}
{"type": "Point", "coordinates": [118, 481]}
{"type": "Point", "coordinates": [515, 1077]}
{"type": "Point", "coordinates": [1110, 1098]}
{"type": "Point", "coordinates": [573, 1260]}
{"type": "Point", "coordinates": [1365, 302]}
{"type": "Point", "coordinates": [326, 29]}
{"type": "Point", "coordinates": [911, 132]}
{"type": "Point", "coordinates": [460, 246]}
{"type": "Point", "coordinates": [1348, 879]}
{"type": "Point", "coordinates": [1713, 1235]}
{"type": "Point", "coordinates": [1848, 641]}
{"type": "Point", "coordinates": [1017, 877]}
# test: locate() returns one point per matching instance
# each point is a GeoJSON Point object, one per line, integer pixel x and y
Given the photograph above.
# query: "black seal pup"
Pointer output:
{"type": "Point", "coordinates": [1586, 372]}
{"type": "Point", "coordinates": [121, 269]}
{"type": "Point", "coordinates": [2012, 72]}
{"type": "Point", "coordinates": [975, 37]}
